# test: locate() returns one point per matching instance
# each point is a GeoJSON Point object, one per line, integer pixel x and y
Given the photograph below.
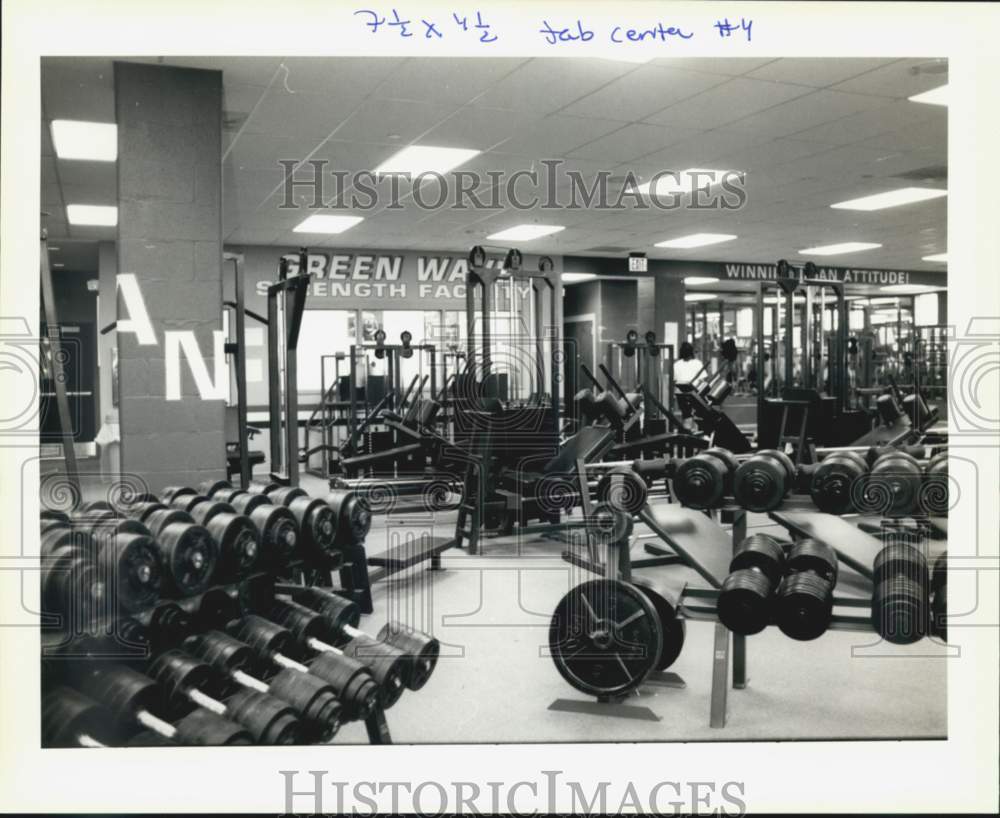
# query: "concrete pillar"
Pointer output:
{"type": "Point", "coordinates": [668, 300]}
{"type": "Point", "coordinates": [169, 238]}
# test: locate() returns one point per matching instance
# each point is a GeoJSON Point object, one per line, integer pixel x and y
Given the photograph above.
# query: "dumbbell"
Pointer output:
{"type": "Point", "coordinates": [761, 482]}
{"type": "Point", "coordinates": [317, 522]}
{"type": "Point", "coordinates": [277, 526]}
{"type": "Point", "coordinates": [235, 534]}
{"type": "Point", "coordinates": [342, 617]}
{"type": "Point", "coordinates": [165, 625]}
{"type": "Point", "coordinates": [804, 605]}
{"type": "Point", "coordinates": [127, 557]}
{"type": "Point", "coordinates": [893, 484]}
{"type": "Point", "coordinates": [71, 719]}
{"type": "Point", "coordinates": [834, 479]}
{"type": "Point", "coordinates": [314, 700]}
{"type": "Point", "coordinates": [901, 599]}
{"type": "Point", "coordinates": [934, 490]}
{"type": "Point", "coordinates": [312, 632]}
{"type": "Point", "coordinates": [704, 480]}
{"type": "Point", "coordinates": [353, 516]}
{"type": "Point", "coordinates": [182, 677]}
{"type": "Point", "coordinates": [188, 553]}
{"type": "Point", "coordinates": [211, 609]}
{"type": "Point", "coordinates": [131, 697]}
{"type": "Point", "coordinates": [352, 681]}
{"type": "Point", "coordinates": [939, 600]}
{"type": "Point", "coordinates": [71, 581]}
{"type": "Point", "coordinates": [746, 598]}
{"type": "Point", "coordinates": [622, 489]}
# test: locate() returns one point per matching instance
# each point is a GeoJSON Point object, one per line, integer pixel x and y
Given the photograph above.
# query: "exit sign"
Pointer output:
{"type": "Point", "coordinates": [638, 264]}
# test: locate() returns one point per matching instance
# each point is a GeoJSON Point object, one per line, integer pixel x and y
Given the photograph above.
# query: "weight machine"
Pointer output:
{"type": "Point", "coordinates": [645, 366]}
{"type": "Point", "coordinates": [811, 382]}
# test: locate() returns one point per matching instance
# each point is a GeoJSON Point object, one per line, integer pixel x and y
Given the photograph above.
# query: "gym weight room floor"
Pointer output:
{"type": "Point", "coordinates": [496, 608]}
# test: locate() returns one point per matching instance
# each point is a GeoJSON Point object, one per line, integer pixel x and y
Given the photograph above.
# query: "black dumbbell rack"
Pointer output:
{"type": "Point", "coordinates": [252, 593]}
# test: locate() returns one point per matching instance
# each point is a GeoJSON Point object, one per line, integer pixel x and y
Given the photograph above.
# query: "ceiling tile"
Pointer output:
{"type": "Point", "coordinates": [453, 80]}
{"type": "Point", "coordinates": [240, 70]}
{"type": "Point", "coordinates": [727, 66]}
{"type": "Point", "coordinates": [241, 99]}
{"type": "Point", "coordinates": [631, 142]}
{"type": "Point", "coordinates": [801, 113]}
{"type": "Point", "coordinates": [815, 71]}
{"type": "Point", "coordinates": [262, 151]}
{"type": "Point", "coordinates": [547, 84]}
{"type": "Point", "coordinates": [385, 120]}
{"type": "Point", "coordinates": [313, 114]}
{"type": "Point", "coordinates": [923, 135]}
{"type": "Point", "coordinates": [641, 93]}
{"type": "Point", "coordinates": [889, 117]}
{"type": "Point", "coordinates": [72, 99]}
{"type": "Point", "coordinates": [335, 75]}
{"type": "Point", "coordinates": [900, 79]}
{"type": "Point", "coordinates": [702, 149]}
{"type": "Point", "coordinates": [480, 128]}
{"type": "Point", "coordinates": [556, 136]}
{"type": "Point", "coordinates": [734, 100]}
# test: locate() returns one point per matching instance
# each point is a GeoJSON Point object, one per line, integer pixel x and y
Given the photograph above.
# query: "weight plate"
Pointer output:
{"type": "Point", "coordinates": [605, 637]}
{"type": "Point", "coordinates": [674, 627]}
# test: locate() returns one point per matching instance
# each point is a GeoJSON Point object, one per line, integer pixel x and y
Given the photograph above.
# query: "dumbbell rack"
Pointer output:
{"type": "Point", "coordinates": [58, 643]}
{"type": "Point", "coordinates": [699, 604]}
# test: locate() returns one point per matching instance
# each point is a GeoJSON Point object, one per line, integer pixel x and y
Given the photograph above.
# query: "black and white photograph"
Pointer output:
{"type": "Point", "coordinates": [538, 386]}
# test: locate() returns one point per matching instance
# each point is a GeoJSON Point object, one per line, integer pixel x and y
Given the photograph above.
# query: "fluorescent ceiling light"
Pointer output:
{"type": "Point", "coordinates": [696, 280]}
{"type": "Point", "coordinates": [837, 249]}
{"type": "Point", "coordinates": [526, 232]}
{"type": "Point", "coordinates": [891, 198]}
{"type": "Point", "coordinates": [696, 240]}
{"type": "Point", "coordinates": [417, 159]}
{"type": "Point", "coordinates": [909, 289]}
{"type": "Point", "coordinates": [85, 140]}
{"type": "Point", "coordinates": [685, 181]}
{"type": "Point", "coordinates": [874, 301]}
{"type": "Point", "coordinates": [938, 257]}
{"type": "Point", "coordinates": [700, 297]}
{"type": "Point", "coordinates": [92, 215]}
{"type": "Point", "coordinates": [327, 223]}
{"type": "Point", "coordinates": [936, 96]}
{"type": "Point", "coordinates": [575, 278]}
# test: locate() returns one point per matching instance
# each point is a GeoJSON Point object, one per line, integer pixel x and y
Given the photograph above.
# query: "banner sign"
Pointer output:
{"type": "Point", "coordinates": [366, 279]}
{"type": "Point", "coordinates": [750, 272]}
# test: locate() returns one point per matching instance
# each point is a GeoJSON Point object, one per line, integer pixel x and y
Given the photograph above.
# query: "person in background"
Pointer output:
{"type": "Point", "coordinates": [686, 367]}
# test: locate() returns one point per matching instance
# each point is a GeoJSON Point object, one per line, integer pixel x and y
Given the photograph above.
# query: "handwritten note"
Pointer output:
{"type": "Point", "coordinates": [459, 23]}
{"type": "Point", "coordinates": [558, 33]}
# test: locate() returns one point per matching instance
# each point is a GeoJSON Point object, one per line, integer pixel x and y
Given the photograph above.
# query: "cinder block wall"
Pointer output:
{"type": "Point", "coordinates": [169, 237]}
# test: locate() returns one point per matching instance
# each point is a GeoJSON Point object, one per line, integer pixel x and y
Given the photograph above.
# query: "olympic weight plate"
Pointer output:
{"type": "Point", "coordinates": [605, 637]}
{"type": "Point", "coordinates": [674, 627]}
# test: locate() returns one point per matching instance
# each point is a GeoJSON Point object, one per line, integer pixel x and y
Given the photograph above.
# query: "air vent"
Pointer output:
{"type": "Point", "coordinates": [933, 174]}
{"type": "Point", "coordinates": [232, 120]}
{"type": "Point", "coordinates": [608, 249]}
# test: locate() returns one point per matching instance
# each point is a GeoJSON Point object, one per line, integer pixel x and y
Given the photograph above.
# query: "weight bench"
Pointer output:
{"type": "Point", "coordinates": [854, 547]}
